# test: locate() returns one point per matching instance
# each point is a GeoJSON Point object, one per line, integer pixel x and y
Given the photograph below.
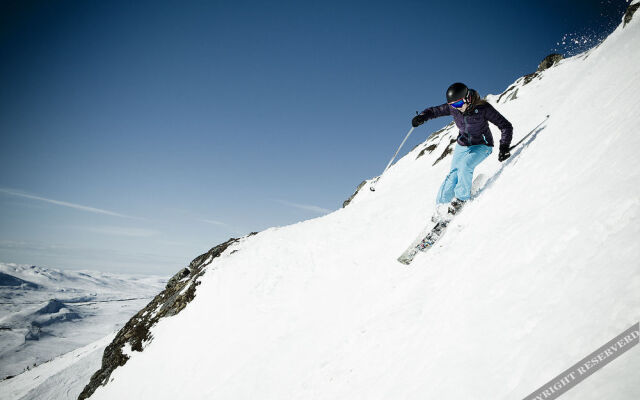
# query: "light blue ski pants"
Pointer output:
{"type": "Point", "coordinates": [458, 182]}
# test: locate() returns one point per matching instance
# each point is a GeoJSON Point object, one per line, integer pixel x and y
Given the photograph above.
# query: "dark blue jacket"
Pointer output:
{"type": "Point", "coordinates": [473, 125]}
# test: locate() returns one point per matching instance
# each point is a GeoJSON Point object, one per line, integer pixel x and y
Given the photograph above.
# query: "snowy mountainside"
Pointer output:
{"type": "Point", "coordinates": [47, 312]}
{"type": "Point", "coordinates": [61, 378]}
{"type": "Point", "coordinates": [538, 271]}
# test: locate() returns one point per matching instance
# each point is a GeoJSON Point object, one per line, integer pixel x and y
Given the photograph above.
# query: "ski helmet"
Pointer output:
{"type": "Point", "coordinates": [457, 91]}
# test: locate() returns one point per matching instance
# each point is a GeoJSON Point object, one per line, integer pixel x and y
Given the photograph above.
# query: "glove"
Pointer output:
{"type": "Point", "coordinates": [418, 120]}
{"type": "Point", "coordinates": [504, 152]}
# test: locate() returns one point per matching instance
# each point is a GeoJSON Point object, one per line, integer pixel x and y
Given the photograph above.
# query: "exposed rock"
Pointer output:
{"type": "Point", "coordinates": [427, 149]}
{"type": "Point", "coordinates": [549, 61]}
{"type": "Point", "coordinates": [64, 316]}
{"type": "Point", "coordinates": [446, 151]}
{"type": "Point", "coordinates": [506, 92]}
{"type": "Point", "coordinates": [529, 77]}
{"type": "Point", "coordinates": [347, 201]}
{"type": "Point", "coordinates": [512, 96]}
{"type": "Point", "coordinates": [53, 306]}
{"type": "Point", "coordinates": [33, 333]}
{"type": "Point", "coordinates": [180, 290]}
{"type": "Point", "coordinates": [628, 15]}
{"type": "Point", "coordinates": [435, 136]}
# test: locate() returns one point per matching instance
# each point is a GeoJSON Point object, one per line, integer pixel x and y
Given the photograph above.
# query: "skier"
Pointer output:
{"type": "Point", "coordinates": [474, 143]}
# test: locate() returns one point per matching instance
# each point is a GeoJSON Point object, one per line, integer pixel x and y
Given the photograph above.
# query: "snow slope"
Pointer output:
{"type": "Point", "coordinates": [536, 273]}
{"type": "Point", "coordinates": [61, 378]}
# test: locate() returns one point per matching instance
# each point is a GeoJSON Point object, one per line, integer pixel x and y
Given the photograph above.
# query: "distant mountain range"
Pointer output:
{"type": "Point", "coordinates": [47, 312]}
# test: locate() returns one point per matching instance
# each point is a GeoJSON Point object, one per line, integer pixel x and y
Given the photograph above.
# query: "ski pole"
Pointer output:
{"type": "Point", "coordinates": [529, 134]}
{"type": "Point", "coordinates": [373, 184]}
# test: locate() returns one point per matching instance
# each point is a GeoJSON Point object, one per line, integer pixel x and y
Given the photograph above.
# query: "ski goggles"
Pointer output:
{"type": "Point", "coordinates": [457, 104]}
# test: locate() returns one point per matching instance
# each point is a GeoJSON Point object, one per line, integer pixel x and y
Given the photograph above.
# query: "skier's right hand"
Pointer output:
{"type": "Point", "coordinates": [418, 120]}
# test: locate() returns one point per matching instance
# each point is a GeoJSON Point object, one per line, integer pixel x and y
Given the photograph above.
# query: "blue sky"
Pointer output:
{"type": "Point", "coordinates": [136, 135]}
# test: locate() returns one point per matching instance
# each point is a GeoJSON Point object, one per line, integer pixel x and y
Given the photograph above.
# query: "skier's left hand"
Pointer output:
{"type": "Point", "coordinates": [504, 153]}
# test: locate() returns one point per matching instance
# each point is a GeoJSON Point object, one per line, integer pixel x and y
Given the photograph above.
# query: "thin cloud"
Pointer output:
{"type": "Point", "coordinates": [214, 222]}
{"type": "Point", "coordinates": [65, 204]}
{"type": "Point", "coordinates": [23, 245]}
{"type": "Point", "coordinates": [201, 218]}
{"type": "Point", "coordinates": [175, 243]}
{"type": "Point", "coordinates": [122, 231]}
{"type": "Point", "coordinates": [306, 207]}
{"type": "Point", "coordinates": [230, 228]}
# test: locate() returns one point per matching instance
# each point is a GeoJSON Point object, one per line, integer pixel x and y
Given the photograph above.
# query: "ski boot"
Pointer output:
{"type": "Point", "coordinates": [455, 206]}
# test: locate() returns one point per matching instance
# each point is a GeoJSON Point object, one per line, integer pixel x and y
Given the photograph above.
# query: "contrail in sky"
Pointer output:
{"type": "Point", "coordinates": [65, 204]}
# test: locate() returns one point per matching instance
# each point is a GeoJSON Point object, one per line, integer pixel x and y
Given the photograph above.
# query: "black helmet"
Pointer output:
{"type": "Point", "coordinates": [457, 91]}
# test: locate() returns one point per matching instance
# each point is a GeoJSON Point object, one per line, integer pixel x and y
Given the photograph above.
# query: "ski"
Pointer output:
{"type": "Point", "coordinates": [425, 241]}
{"type": "Point", "coordinates": [430, 235]}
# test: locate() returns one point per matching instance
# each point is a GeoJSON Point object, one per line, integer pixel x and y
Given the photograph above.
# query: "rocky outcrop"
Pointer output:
{"type": "Point", "coordinates": [509, 94]}
{"type": "Point", "coordinates": [448, 150]}
{"type": "Point", "coordinates": [53, 306]}
{"type": "Point", "coordinates": [628, 15]}
{"type": "Point", "coordinates": [549, 61]}
{"type": "Point", "coordinates": [434, 137]}
{"type": "Point", "coordinates": [426, 150]}
{"type": "Point", "coordinates": [180, 290]}
{"type": "Point", "coordinates": [347, 201]}
{"type": "Point", "coordinates": [512, 91]}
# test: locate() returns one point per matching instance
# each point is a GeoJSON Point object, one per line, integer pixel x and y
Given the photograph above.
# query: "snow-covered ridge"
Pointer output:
{"type": "Point", "coordinates": [540, 270]}
{"type": "Point", "coordinates": [76, 280]}
{"type": "Point", "coordinates": [61, 378]}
